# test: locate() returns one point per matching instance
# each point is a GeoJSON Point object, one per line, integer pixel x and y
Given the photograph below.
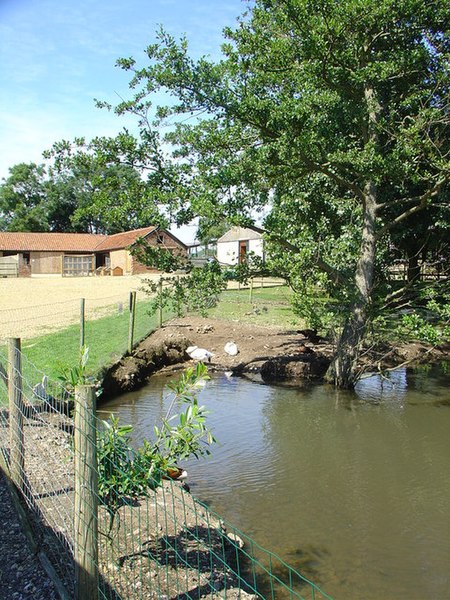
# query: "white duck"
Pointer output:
{"type": "Point", "coordinates": [40, 389]}
{"type": "Point", "coordinates": [200, 354]}
{"type": "Point", "coordinates": [231, 348]}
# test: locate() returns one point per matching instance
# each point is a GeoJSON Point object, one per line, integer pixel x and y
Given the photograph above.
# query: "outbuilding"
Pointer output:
{"type": "Point", "coordinates": [236, 244]}
{"type": "Point", "coordinates": [24, 254]}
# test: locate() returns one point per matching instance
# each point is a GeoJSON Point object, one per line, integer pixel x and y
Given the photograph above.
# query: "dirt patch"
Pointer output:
{"type": "Point", "coordinates": [274, 352]}
{"type": "Point", "coordinates": [256, 345]}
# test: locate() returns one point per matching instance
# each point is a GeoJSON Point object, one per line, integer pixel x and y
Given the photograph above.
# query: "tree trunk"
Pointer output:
{"type": "Point", "coordinates": [343, 371]}
{"type": "Point", "coordinates": [344, 367]}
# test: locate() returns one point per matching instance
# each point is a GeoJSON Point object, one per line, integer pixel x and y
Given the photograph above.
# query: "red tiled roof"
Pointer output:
{"type": "Point", "coordinates": [49, 242]}
{"type": "Point", "coordinates": [123, 240]}
{"type": "Point", "coordinates": [72, 242]}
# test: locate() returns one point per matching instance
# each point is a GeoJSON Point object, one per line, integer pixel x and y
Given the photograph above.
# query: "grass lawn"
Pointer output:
{"type": "Point", "coordinates": [107, 337]}
{"type": "Point", "coordinates": [268, 306]}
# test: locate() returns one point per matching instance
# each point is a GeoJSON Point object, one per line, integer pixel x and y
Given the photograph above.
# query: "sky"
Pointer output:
{"type": "Point", "coordinates": [57, 56]}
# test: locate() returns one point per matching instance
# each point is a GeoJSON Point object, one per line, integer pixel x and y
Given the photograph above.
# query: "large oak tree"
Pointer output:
{"type": "Point", "coordinates": [334, 115]}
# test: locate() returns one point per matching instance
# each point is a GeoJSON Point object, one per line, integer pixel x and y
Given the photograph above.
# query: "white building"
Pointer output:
{"type": "Point", "coordinates": [233, 246]}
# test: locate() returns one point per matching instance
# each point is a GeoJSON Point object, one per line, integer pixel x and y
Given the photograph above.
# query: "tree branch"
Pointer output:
{"type": "Point", "coordinates": [422, 203]}
{"type": "Point", "coordinates": [335, 275]}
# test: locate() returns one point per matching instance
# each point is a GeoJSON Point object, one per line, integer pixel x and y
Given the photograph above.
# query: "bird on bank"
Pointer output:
{"type": "Point", "coordinates": [175, 473]}
{"type": "Point", "coordinates": [200, 354]}
{"type": "Point", "coordinates": [231, 348]}
{"type": "Point", "coordinates": [311, 335]}
{"type": "Point", "coordinates": [302, 349]}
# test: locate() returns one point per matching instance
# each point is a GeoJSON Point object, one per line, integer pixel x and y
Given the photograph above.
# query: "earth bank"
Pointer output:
{"type": "Point", "coordinates": [273, 352]}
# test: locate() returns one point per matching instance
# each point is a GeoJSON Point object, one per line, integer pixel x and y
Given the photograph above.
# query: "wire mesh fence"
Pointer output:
{"type": "Point", "coordinates": [42, 314]}
{"type": "Point", "coordinates": [112, 326]}
{"type": "Point", "coordinates": [43, 318]}
{"type": "Point", "coordinates": [161, 542]}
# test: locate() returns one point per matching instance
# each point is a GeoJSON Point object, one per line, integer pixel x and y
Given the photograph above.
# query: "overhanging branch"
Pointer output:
{"type": "Point", "coordinates": [335, 275]}
{"type": "Point", "coordinates": [422, 202]}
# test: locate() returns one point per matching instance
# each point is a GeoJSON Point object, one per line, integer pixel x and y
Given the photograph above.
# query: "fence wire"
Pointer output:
{"type": "Point", "coordinates": [41, 319]}
{"type": "Point", "coordinates": [163, 544]}
{"type": "Point", "coordinates": [43, 440]}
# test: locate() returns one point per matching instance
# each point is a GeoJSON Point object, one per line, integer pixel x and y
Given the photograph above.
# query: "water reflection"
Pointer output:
{"type": "Point", "coordinates": [350, 488]}
{"type": "Point", "coordinates": [378, 389]}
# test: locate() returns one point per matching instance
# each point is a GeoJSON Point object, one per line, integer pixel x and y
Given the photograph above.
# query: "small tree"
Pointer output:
{"type": "Point", "coordinates": [126, 473]}
{"type": "Point", "coordinates": [194, 288]}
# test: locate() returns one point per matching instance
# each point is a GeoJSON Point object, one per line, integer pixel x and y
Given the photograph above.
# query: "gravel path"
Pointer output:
{"type": "Point", "coordinates": [22, 576]}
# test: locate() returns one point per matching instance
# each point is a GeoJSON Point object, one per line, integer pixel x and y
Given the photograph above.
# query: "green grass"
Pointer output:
{"type": "Point", "coordinates": [107, 337]}
{"type": "Point", "coordinates": [269, 306]}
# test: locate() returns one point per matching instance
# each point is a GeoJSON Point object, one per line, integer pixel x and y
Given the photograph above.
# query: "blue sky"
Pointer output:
{"type": "Point", "coordinates": [56, 56]}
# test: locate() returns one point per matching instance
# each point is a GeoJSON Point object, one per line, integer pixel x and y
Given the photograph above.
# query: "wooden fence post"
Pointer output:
{"type": "Point", "coordinates": [82, 321]}
{"type": "Point", "coordinates": [132, 321]}
{"type": "Point", "coordinates": [179, 312]}
{"type": "Point", "coordinates": [251, 291]}
{"type": "Point", "coordinates": [86, 495]}
{"type": "Point", "coordinates": [17, 455]}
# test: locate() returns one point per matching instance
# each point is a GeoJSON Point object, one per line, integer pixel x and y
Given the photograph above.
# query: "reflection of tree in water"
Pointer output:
{"type": "Point", "coordinates": [390, 387]}
{"type": "Point", "coordinates": [422, 385]}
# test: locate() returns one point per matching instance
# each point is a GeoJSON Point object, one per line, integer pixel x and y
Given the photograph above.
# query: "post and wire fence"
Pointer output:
{"type": "Point", "coordinates": [165, 543]}
{"type": "Point", "coordinates": [128, 313]}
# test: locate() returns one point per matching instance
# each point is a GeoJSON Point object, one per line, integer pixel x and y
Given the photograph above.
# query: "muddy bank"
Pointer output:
{"type": "Point", "coordinates": [275, 353]}
{"type": "Point", "coordinates": [153, 354]}
{"type": "Point", "coordinates": [166, 348]}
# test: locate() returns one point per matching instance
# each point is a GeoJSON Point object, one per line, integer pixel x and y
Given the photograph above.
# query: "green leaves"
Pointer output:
{"type": "Point", "coordinates": [328, 121]}
{"type": "Point", "coordinates": [124, 473]}
{"type": "Point", "coordinates": [71, 376]}
{"type": "Point", "coordinates": [197, 289]}
{"type": "Point", "coordinates": [23, 199]}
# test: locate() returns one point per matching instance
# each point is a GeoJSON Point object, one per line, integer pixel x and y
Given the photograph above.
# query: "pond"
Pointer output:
{"type": "Point", "coordinates": [350, 488]}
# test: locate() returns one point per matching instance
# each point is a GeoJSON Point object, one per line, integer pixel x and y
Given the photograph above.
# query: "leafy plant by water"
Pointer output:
{"type": "Point", "coordinates": [73, 375]}
{"type": "Point", "coordinates": [126, 473]}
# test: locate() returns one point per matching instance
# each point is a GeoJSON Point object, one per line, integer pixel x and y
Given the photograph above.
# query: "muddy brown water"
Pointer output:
{"type": "Point", "coordinates": [350, 488]}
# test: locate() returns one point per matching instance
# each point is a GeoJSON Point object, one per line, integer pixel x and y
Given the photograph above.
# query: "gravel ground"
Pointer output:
{"type": "Point", "coordinates": [22, 576]}
{"type": "Point", "coordinates": [167, 545]}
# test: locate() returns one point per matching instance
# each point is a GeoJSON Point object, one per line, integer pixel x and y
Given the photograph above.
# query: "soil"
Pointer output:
{"type": "Point", "coordinates": [273, 352]}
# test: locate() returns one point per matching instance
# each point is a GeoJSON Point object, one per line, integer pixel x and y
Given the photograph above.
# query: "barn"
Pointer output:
{"type": "Point", "coordinates": [24, 254]}
{"type": "Point", "coordinates": [234, 246]}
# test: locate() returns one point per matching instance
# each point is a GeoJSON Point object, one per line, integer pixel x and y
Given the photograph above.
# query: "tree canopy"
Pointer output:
{"type": "Point", "coordinates": [333, 117]}
{"type": "Point", "coordinates": [80, 194]}
{"type": "Point", "coordinates": [22, 198]}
